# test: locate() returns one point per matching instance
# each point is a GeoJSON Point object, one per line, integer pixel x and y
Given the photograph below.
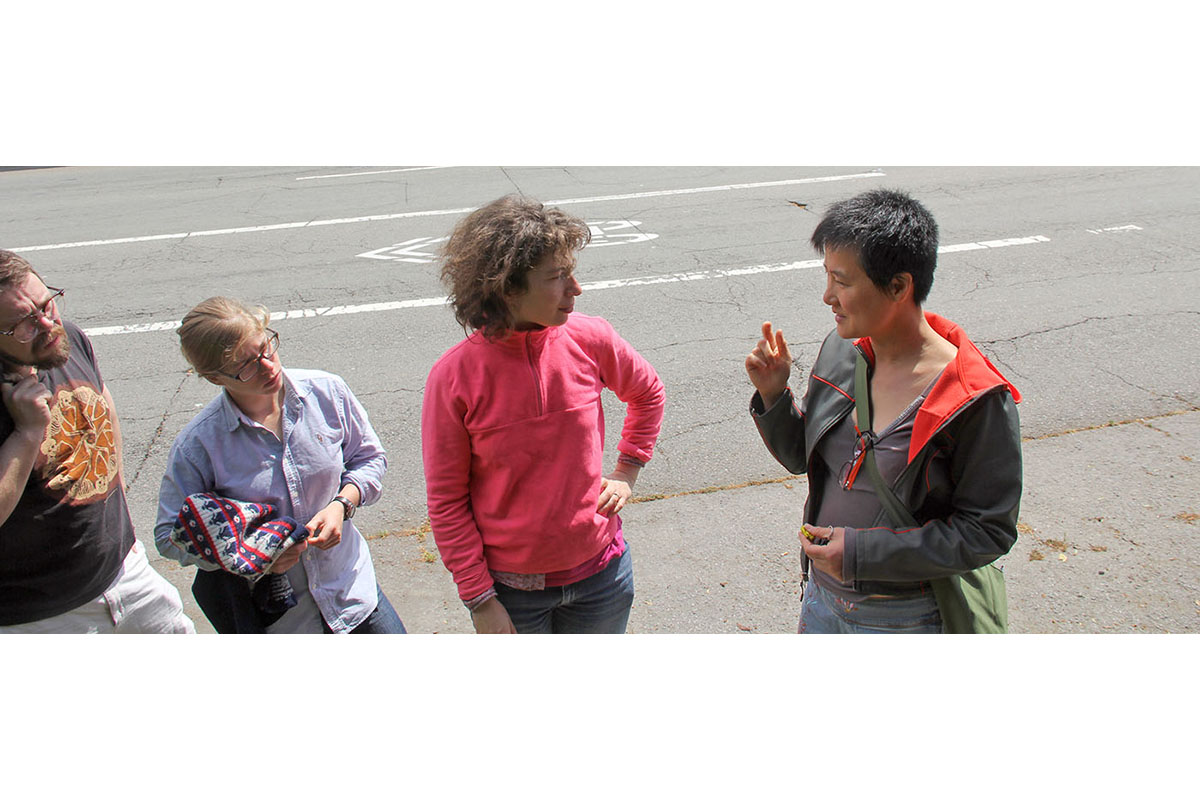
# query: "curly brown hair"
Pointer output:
{"type": "Point", "coordinates": [491, 251]}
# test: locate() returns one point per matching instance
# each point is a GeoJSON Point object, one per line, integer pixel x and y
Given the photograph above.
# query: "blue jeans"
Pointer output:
{"type": "Point", "coordinates": [599, 604]}
{"type": "Point", "coordinates": [383, 619]}
{"type": "Point", "coordinates": [822, 612]}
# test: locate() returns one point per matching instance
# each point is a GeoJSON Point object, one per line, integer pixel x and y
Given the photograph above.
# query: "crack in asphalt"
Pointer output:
{"type": "Point", "coordinates": [1008, 369]}
{"type": "Point", "coordinates": [1151, 392]}
{"type": "Point", "coordinates": [986, 283]}
{"type": "Point", "coordinates": [668, 345]}
{"type": "Point", "coordinates": [514, 183]}
{"type": "Point", "coordinates": [385, 392]}
{"type": "Point", "coordinates": [1068, 326]}
{"type": "Point", "coordinates": [699, 426]}
{"type": "Point", "coordinates": [162, 423]}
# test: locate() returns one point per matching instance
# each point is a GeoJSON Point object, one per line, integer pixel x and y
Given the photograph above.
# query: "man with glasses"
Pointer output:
{"type": "Point", "coordinates": [69, 560]}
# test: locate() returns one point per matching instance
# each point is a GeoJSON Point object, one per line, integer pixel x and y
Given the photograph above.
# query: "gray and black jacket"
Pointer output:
{"type": "Point", "coordinates": [962, 482]}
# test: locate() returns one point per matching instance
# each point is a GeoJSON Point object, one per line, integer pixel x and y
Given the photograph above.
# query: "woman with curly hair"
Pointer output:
{"type": "Point", "coordinates": [524, 515]}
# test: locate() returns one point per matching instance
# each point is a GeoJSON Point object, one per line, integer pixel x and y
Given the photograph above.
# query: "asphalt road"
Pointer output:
{"type": "Point", "coordinates": [1081, 284]}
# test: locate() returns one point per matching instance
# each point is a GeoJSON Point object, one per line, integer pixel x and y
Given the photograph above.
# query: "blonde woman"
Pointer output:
{"type": "Point", "coordinates": [295, 439]}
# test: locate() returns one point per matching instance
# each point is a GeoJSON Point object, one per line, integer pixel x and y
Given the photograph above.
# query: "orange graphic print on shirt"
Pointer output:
{"type": "Point", "coordinates": [80, 446]}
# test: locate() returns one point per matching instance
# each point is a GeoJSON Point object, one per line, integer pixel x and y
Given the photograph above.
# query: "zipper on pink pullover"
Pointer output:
{"type": "Point", "coordinates": [537, 381]}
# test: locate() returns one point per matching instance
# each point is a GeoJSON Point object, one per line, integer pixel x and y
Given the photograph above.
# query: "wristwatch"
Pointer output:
{"type": "Point", "coordinates": [348, 508]}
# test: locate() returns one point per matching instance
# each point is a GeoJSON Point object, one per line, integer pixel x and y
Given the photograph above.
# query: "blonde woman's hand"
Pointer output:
{"type": "Point", "coordinates": [325, 529]}
{"type": "Point", "coordinates": [289, 559]}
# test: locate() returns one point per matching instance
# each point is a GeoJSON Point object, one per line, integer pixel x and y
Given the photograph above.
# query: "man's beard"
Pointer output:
{"type": "Point", "coordinates": [51, 358]}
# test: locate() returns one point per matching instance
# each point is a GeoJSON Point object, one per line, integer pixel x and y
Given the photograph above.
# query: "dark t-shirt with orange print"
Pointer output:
{"type": "Point", "coordinates": [65, 541]}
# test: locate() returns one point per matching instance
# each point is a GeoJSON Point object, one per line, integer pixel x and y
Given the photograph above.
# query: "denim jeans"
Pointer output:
{"type": "Point", "coordinates": [822, 612]}
{"type": "Point", "coordinates": [599, 604]}
{"type": "Point", "coordinates": [383, 619]}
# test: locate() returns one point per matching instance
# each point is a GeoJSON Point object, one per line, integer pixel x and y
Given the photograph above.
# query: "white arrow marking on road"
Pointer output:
{"type": "Point", "coordinates": [604, 233]}
{"type": "Point", "coordinates": [414, 249]}
{"type": "Point", "coordinates": [615, 283]}
{"type": "Point", "coordinates": [443, 212]}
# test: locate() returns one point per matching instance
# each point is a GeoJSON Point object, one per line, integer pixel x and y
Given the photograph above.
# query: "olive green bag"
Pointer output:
{"type": "Point", "coordinates": [972, 602]}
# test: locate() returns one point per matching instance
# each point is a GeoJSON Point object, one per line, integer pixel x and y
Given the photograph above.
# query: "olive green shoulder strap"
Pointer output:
{"type": "Point", "coordinates": [901, 516]}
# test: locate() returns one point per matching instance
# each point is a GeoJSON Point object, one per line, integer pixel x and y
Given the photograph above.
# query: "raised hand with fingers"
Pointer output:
{"type": "Point", "coordinates": [769, 365]}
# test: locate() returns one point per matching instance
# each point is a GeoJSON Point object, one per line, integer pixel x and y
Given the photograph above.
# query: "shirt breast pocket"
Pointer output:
{"type": "Point", "coordinates": [327, 438]}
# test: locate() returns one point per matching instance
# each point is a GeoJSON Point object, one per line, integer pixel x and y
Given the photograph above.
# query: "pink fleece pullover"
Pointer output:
{"type": "Point", "coordinates": [512, 436]}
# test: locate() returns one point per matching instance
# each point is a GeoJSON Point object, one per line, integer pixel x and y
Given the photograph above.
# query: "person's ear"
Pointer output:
{"type": "Point", "coordinates": [901, 286]}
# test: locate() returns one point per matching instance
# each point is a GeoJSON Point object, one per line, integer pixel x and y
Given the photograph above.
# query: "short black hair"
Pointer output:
{"type": "Point", "coordinates": [892, 232]}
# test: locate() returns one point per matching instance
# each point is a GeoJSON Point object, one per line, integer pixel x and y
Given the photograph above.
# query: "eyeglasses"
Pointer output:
{"type": "Point", "coordinates": [249, 368]}
{"type": "Point", "coordinates": [26, 328]}
{"type": "Point", "coordinates": [862, 441]}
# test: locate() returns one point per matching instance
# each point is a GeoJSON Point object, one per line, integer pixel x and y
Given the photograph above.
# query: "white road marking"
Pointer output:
{"type": "Point", "coordinates": [726, 188]}
{"type": "Point", "coordinates": [615, 283]}
{"type": "Point", "coordinates": [444, 212]}
{"type": "Point", "coordinates": [373, 172]}
{"type": "Point", "coordinates": [1118, 228]}
{"type": "Point", "coordinates": [959, 248]}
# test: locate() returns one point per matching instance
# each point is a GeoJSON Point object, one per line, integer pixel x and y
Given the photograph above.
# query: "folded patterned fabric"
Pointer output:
{"type": "Point", "coordinates": [241, 538]}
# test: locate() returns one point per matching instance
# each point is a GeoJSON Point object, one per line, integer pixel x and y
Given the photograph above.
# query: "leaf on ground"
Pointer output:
{"type": "Point", "coordinates": [1099, 548]}
{"type": "Point", "coordinates": [1187, 516]}
{"type": "Point", "coordinates": [1056, 544]}
{"type": "Point", "coordinates": [1023, 528]}
{"type": "Point", "coordinates": [1036, 555]}
{"type": "Point", "coordinates": [1062, 556]}
{"type": "Point", "coordinates": [742, 627]}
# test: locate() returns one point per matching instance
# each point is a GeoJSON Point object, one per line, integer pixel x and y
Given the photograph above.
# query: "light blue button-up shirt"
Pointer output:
{"type": "Point", "coordinates": [328, 442]}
